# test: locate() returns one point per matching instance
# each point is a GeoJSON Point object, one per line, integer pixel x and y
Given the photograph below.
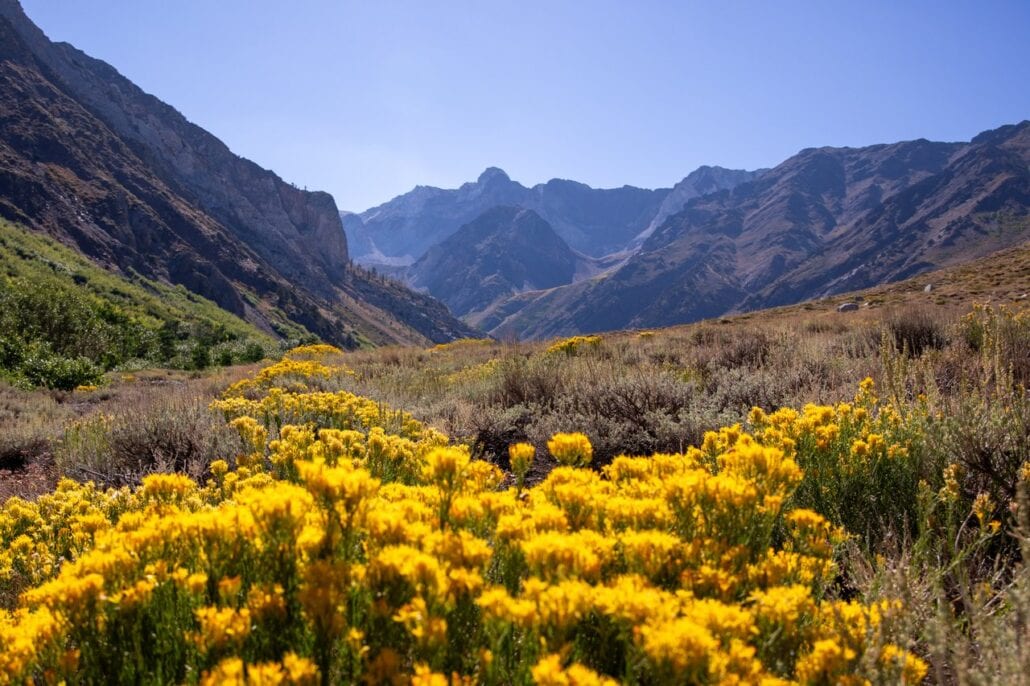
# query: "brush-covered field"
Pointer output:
{"type": "Point", "coordinates": [812, 498]}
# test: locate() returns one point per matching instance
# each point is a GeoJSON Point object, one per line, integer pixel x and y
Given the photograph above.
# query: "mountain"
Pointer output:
{"type": "Point", "coordinates": [825, 221]}
{"type": "Point", "coordinates": [505, 250]}
{"type": "Point", "coordinates": [595, 230]}
{"type": "Point", "coordinates": [979, 203]}
{"type": "Point", "coordinates": [90, 159]}
{"type": "Point", "coordinates": [593, 221]}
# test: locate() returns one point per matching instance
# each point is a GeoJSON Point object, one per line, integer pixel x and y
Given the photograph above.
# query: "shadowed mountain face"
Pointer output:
{"type": "Point", "coordinates": [591, 220]}
{"type": "Point", "coordinates": [825, 221]}
{"type": "Point", "coordinates": [91, 159]}
{"type": "Point", "coordinates": [505, 250]}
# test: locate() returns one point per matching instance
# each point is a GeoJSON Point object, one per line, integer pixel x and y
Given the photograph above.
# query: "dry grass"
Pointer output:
{"type": "Point", "coordinates": [634, 393]}
{"type": "Point", "coordinates": [154, 419]}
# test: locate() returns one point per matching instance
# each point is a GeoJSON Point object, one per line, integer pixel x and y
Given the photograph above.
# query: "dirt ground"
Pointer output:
{"type": "Point", "coordinates": [29, 480]}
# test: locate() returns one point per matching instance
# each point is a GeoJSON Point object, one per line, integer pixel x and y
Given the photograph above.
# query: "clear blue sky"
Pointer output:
{"type": "Point", "coordinates": [367, 99]}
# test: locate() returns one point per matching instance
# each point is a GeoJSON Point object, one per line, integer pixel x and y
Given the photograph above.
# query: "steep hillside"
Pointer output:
{"type": "Point", "coordinates": [979, 203]}
{"type": "Point", "coordinates": [1001, 278]}
{"type": "Point", "coordinates": [505, 250]}
{"type": "Point", "coordinates": [825, 221]}
{"type": "Point", "coordinates": [92, 160]}
{"type": "Point", "coordinates": [64, 320]}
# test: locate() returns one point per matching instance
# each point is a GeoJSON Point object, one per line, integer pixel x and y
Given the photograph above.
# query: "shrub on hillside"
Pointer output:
{"type": "Point", "coordinates": [252, 352]}
{"type": "Point", "coordinates": [523, 380]}
{"type": "Point", "coordinates": [59, 336]}
{"type": "Point", "coordinates": [40, 366]}
{"type": "Point", "coordinates": [917, 329]}
{"type": "Point", "coordinates": [1000, 335]}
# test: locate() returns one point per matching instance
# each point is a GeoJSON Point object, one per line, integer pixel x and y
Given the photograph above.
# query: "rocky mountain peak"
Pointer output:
{"type": "Point", "coordinates": [703, 180]}
{"type": "Point", "coordinates": [1012, 137]}
{"type": "Point", "coordinates": [493, 175]}
{"type": "Point", "coordinates": [505, 250]}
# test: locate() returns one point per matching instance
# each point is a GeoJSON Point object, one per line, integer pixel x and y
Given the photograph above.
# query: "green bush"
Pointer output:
{"type": "Point", "coordinates": [253, 352]}
{"type": "Point", "coordinates": [200, 356]}
{"type": "Point", "coordinates": [224, 357]}
{"type": "Point", "coordinates": [41, 367]}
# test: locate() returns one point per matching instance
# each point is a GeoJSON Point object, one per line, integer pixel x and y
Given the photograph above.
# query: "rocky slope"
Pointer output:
{"type": "Point", "coordinates": [89, 158]}
{"type": "Point", "coordinates": [504, 251]}
{"type": "Point", "coordinates": [702, 181]}
{"type": "Point", "coordinates": [825, 221]}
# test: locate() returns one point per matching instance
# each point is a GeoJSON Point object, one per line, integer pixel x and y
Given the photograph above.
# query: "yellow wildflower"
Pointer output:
{"type": "Point", "coordinates": [571, 449]}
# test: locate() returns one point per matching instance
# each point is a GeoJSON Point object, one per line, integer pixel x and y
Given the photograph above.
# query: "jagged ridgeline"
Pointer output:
{"type": "Point", "coordinates": [93, 161]}
{"type": "Point", "coordinates": [64, 320]}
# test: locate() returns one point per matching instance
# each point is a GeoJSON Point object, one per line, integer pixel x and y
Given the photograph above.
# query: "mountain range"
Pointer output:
{"type": "Point", "coordinates": [593, 221]}
{"type": "Point", "coordinates": [825, 221]}
{"type": "Point", "coordinates": [90, 159]}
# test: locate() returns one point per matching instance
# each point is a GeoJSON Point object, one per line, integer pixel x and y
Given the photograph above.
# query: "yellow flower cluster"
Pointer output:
{"type": "Point", "coordinates": [315, 351]}
{"type": "Point", "coordinates": [357, 545]}
{"type": "Point", "coordinates": [520, 456]}
{"type": "Point", "coordinates": [296, 371]}
{"type": "Point", "coordinates": [292, 671]}
{"type": "Point", "coordinates": [856, 455]}
{"type": "Point", "coordinates": [263, 418]}
{"type": "Point", "coordinates": [474, 373]}
{"type": "Point", "coordinates": [572, 346]}
{"type": "Point", "coordinates": [462, 343]}
{"type": "Point", "coordinates": [571, 450]}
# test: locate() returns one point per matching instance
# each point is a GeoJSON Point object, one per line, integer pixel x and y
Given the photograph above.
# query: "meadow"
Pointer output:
{"type": "Point", "coordinates": [790, 497]}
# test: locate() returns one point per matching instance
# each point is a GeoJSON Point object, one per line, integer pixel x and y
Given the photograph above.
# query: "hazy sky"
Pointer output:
{"type": "Point", "coordinates": [366, 100]}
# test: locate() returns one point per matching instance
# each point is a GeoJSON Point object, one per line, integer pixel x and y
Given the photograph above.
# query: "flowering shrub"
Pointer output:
{"type": "Point", "coordinates": [350, 542]}
{"type": "Point", "coordinates": [312, 352]}
{"type": "Point", "coordinates": [571, 450]}
{"type": "Point", "coordinates": [572, 346]}
{"type": "Point", "coordinates": [865, 459]}
{"type": "Point", "coordinates": [461, 343]}
{"type": "Point", "coordinates": [296, 371]}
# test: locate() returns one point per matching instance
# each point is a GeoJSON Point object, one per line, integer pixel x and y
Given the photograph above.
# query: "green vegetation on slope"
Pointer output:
{"type": "Point", "coordinates": [64, 321]}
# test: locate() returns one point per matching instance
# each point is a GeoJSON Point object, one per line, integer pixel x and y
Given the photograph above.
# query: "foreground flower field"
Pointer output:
{"type": "Point", "coordinates": [349, 542]}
